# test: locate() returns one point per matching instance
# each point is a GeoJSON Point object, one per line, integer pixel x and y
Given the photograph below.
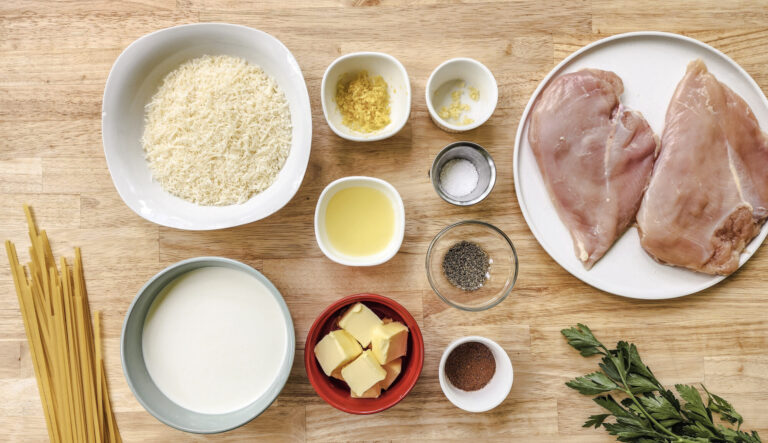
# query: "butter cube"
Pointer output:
{"type": "Point", "coordinates": [363, 373]}
{"type": "Point", "coordinates": [335, 350]}
{"type": "Point", "coordinates": [337, 374]}
{"type": "Point", "coordinates": [389, 341]}
{"type": "Point", "coordinates": [374, 392]}
{"type": "Point", "coordinates": [360, 321]}
{"type": "Point", "coordinates": [393, 369]}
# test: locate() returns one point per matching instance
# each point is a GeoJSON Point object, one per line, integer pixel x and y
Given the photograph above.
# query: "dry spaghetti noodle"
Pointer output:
{"type": "Point", "coordinates": [65, 347]}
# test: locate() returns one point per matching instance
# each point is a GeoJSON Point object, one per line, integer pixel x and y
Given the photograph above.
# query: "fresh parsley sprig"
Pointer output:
{"type": "Point", "coordinates": [649, 412]}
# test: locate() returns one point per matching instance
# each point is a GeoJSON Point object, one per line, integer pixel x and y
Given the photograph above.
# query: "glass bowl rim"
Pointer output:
{"type": "Point", "coordinates": [486, 225]}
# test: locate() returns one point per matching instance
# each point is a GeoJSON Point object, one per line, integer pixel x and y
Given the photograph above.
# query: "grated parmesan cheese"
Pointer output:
{"type": "Point", "coordinates": [217, 131]}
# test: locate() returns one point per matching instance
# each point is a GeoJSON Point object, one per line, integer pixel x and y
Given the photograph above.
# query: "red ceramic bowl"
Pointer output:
{"type": "Point", "coordinates": [336, 392]}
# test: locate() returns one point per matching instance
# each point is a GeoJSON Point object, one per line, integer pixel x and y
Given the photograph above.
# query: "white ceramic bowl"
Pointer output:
{"type": "Point", "coordinates": [144, 387]}
{"type": "Point", "coordinates": [444, 79]}
{"type": "Point", "coordinates": [492, 394]}
{"type": "Point", "coordinates": [134, 79]}
{"type": "Point", "coordinates": [322, 236]}
{"type": "Point", "coordinates": [376, 63]}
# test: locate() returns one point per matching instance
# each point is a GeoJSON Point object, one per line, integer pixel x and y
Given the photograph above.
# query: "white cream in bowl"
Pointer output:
{"type": "Point", "coordinates": [213, 340]}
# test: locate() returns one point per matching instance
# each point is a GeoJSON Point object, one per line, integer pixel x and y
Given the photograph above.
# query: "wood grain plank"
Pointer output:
{"type": "Point", "coordinates": [76, 174]}
{"type": "Point", "coordinates": [87, 6]}
{"type": "Point", "coordinates": [278, 423]}
{"type": "Point", "coordinates": [50, 211]}
{"type": "Point", "coordinates": [107, 210]}
{"type": "Point", "coordinates": [41, 30]}
{"type": "Point", "coordinates": [10, 358]}
{"type": "Point", "coordinates": [431, 21]}
{"type": "Point", "coordinates": [21, 175]}
{"type": "Point", "coordinates": [74, 66]}
{"type": "Point", "coordinates": [56, 57]}
{"type": "Point", "coordinates": [26, 136]}
{"type": "Point", "coordinates": [437, 420]}
{"type": "Point", "coordinates": [685, 15]}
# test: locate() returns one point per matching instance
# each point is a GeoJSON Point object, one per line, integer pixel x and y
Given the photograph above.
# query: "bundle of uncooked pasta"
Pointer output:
{"type": "Point", "coordinates": [65, 347]}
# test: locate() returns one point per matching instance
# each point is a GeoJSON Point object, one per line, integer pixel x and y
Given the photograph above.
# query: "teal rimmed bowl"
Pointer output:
{"type": "Point", "coordinates": [144, 388]}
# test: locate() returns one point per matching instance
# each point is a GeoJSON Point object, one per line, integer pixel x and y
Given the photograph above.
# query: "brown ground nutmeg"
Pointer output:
{"type": "Point", "coordinates": [470, 366]}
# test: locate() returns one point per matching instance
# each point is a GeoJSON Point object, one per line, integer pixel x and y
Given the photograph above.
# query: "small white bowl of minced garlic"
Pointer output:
{"type": "Point", "coordinates": [366, 96]}
{"type": "Point", "coordinates": [461, 94]}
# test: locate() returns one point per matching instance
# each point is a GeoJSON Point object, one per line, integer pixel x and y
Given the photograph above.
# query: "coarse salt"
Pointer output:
{"type": "Point", "coordinates": [458, 177]}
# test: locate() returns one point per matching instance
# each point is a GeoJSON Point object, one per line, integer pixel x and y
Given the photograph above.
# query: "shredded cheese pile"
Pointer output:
{"type": "Point", "coordinates": [363, 101]}
{"type": "Point", "coordinates": [217, 131]}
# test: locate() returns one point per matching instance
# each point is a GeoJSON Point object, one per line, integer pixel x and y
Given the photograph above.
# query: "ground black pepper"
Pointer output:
{"type": "Point", "coordinates": [470, 366]}
{"type": "Point", "coordinates": [466, 265]}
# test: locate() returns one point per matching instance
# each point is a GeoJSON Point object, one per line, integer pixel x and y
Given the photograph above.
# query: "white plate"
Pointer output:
{"type": "Point", "coordinates": [133, 80]}
{"type": "Point", "coordinates": [651, 64]}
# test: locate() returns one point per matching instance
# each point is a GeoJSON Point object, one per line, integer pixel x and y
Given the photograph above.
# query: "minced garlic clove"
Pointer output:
{"type": "Point", "coordinates": [454, 112]}
{"type": "Point", "coordinates": [363, 101]}
{"type": "Point", "coordinates": [474, 93]}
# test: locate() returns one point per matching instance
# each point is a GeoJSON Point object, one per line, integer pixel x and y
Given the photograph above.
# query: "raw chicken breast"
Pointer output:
{"type": "Point", "coordinates": [595, 157]}
{"type": "Point", "coordinates": [708, 195]}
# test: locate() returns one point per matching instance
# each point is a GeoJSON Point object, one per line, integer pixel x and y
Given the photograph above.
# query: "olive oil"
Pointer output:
{"type": "Point", "coordinates": [360, 221]}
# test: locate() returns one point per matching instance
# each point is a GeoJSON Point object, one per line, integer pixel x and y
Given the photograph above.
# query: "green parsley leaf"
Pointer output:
{"type": "Point", "coordinates": [595, 420]}
{"type": "Point", "coordinates": [591, 384]}
{"type": "Point", "coordinates": [648, 412]}
{"type": "Point", "coordinates": [581, 338]}
{"type": "Point", "coordinates": [694, 408]}
{"type": "Point", "coordinates": [721, 406]}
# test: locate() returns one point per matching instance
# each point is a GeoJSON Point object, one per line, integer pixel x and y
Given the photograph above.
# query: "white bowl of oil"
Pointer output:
{"type": "Point", "coordinates": [360, 221]}
{"type": "Point", "coordinates": [461, 94]}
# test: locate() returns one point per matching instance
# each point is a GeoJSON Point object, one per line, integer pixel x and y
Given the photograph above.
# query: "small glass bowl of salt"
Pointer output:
{"type": "Point", "coordinates": [463, 173]}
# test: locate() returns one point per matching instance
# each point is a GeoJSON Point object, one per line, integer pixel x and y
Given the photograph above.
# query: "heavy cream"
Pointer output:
{"type": "Point", "coordinates": [214, 339]}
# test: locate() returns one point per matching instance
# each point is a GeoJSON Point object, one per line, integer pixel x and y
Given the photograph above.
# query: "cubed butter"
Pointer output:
{"type": "Point", "coordinates": [363, 373]}
{"type": "Point", "coordinates": [393, 369]}
{"type": "Point", "coordinates": [335, 350]}
{"type": "Point", "coordinates": [337, 374]}
{"type": "Point", "coordinates": [374, 392]}
{"type": "Point", "coordinates": [389, 341]}
{"type": "Point", "coordinates": [360, 321]}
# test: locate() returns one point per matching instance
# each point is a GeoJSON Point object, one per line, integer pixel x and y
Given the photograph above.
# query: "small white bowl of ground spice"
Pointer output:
{"type": "Point", "coordinates": [366, 96]}
{"type": "Point", "coordinates": [475, 373]}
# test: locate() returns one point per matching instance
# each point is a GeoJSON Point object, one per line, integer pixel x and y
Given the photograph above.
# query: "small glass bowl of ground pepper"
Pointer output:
{"type": "Point", "coordinates": [472, 265]}
{"type": "Point", "coordinates": [475, 373]}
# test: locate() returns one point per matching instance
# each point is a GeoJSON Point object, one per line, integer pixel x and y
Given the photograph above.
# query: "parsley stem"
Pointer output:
{"type": "Point", "coordinates": [649, 416]}
{"type": "Point", "coordinates": [629, 393]}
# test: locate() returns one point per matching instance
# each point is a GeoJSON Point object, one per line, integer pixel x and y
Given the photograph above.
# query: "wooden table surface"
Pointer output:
{"type": "Point", "coordinates": [55, 57]}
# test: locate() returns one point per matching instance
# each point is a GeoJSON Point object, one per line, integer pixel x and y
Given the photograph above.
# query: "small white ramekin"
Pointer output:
{"type": "Point", "coordinates": [473, 73]}
{"type": "Point", "coordinates": [376, 63]}
{"type": "Point", "coordinates": [492, 394]}
{"type": "Point", "coordinates": [322, 237]}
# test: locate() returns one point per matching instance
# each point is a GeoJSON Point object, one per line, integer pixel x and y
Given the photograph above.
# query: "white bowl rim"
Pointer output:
{"type": "Point", "coordinates": [290, 354]}
{"type": "Point", "coordinates": [475, 124]}
{"type": "Point", "coordinates": [384, 134]}
{"type": "Point", "coordinates": [506, 363]}
{"type": "Point", "coordinates": [394, 247]}
{"type": "Point", "coordinates": [192, 226]}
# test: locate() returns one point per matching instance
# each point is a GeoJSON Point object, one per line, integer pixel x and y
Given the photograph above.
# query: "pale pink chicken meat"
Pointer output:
{"type": "Point", "coordinates": [595, 157]}
{"type": "Point", "coordinates": [708, 195]}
